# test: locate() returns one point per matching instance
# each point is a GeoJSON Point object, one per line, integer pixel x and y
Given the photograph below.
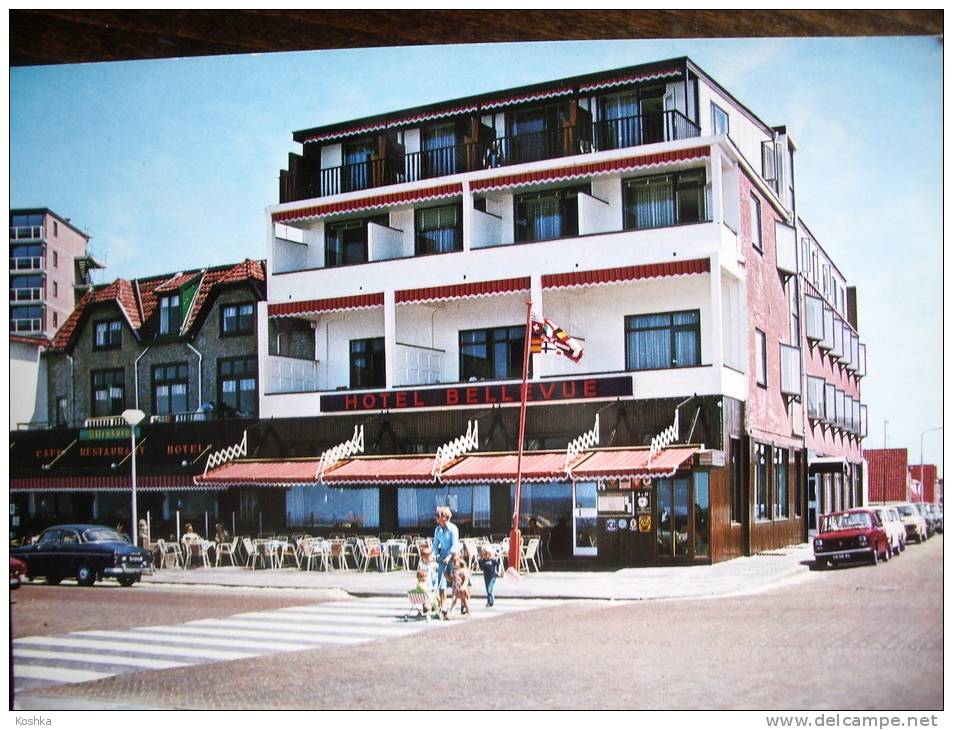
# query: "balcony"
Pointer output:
{"type": "Point", "coordinates": [26, 233]}
{"type": "Point", "coordinates": [27, 263]}
{"type": "Point", "coordinates": [26, 294]}
{"type": "Point", "coordinates": [26, 325]}
{"type": "Point", "coordinates": [290, 374]}
{"type": "Point", "coordinates": [487, 154]}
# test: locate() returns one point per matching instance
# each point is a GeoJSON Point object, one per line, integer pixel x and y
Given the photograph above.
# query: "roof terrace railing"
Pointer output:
{"type": "Point", "coordinates": [513, 149]}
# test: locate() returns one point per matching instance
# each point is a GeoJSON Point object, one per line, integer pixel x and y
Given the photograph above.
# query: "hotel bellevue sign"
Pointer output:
{"type": "Point", "coordinates": [475, 394]}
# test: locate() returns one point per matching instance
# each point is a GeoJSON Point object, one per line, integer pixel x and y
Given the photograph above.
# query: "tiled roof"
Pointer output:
{"type": "Point", "coordinates": [138, 299]}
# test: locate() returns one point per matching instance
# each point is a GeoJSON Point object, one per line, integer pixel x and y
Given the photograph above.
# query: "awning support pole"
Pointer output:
{"type": "Point", "coordinates": [515, 538]}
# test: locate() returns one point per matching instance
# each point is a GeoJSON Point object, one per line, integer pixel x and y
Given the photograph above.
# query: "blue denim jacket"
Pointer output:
{"type": "Point", "coordinates": [446, 542]}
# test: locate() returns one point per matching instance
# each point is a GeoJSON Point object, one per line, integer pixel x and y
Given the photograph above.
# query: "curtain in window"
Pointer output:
{"type": "Point", "coordinates": [481, 506]}
{"type": "Point", "coordinates": [686, 340]}
{"type": "Point", "coordinates": [543, 220]}
{"type": "Point", "coordinates": [651, 348]}
{"type": "Point", "coordinates": [439, 151]}
{"type": "Point", "coordinates": [438, 230]}
{"type": "Point", "coordinates": [652, 203]}
{"type": "Point", "coordinates": [620, 122]}
{"type": "Point", "coordinates": [356, 166]}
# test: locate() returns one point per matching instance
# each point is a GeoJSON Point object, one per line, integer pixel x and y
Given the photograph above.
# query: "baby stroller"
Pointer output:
{"type": "Point", "coordinates": [425, 603]}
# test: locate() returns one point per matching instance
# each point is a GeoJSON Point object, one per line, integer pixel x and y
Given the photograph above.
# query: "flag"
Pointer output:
{"type": "Point", "coordinates": [547, 336]}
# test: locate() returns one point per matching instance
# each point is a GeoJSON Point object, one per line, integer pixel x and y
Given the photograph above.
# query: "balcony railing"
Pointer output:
{"type": "Point", "coordinates": [26, 263]}
{"type": "Point", "coordinates": [489, 153]}
{"type": "Point", "coordinates": [26, 325]}
{"type": "Point", "coordinates": [183, 417]}
{"type": "Point", "coordinates": [27, 294]}
{"type": "Point", "coordinates": [26, 233]}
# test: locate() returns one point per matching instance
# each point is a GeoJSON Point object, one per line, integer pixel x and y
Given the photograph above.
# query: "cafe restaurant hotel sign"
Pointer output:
{"type": "Point", "coordinates": [476, 394]}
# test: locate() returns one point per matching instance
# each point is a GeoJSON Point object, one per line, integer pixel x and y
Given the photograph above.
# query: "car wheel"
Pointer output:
{"type": "Point", "coordinates": [126, 580]}
{"type": "Point", "coordinates": [54, 579]}
{"type": "Point", "coordinates": [85, 575]}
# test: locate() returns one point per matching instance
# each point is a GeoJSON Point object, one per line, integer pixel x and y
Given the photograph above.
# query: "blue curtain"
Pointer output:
{"type": "Point", "coordinates": [620, 122]}
{"type": "Point", "coordinates": [543, 219]}
{"type": "Point", "coordinates": [439, 148]}
{"type": "Point", "coordinates": [653, 205]}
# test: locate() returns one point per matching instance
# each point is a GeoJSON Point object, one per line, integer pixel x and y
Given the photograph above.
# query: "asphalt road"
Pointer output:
{"type": "Point", "coordinates": [859, 638]}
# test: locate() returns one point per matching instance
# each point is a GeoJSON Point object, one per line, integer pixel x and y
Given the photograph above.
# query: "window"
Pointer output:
{"type": "Point", "coordinates": [701, 513]}
{"type": "Point", "coordinates": [345, 242]}
{"type": "Point", "coordinates": [170, 315]}
{"type": "Point", "coordinates": [27, 287]}
{"type": "Point", "coordinates": [534, 135]}
{"type": "Point", "coordinates": [60, 418]}
{"type": "Point", "coordinates": [320, 505]}
{"type": "Point", "coordinates": [56, 289]}
{"type": "Point", "coordinates": [492, 354]}
{"type": "Point", "coordinates": [756, 224]}
{"type": "Point", "coordinates": [368, 363]}
{"type": "Point", "coordinates": [619, 125]}
{"type": "Point", "coordinates": [794, 303]}
{"type": "Point", "coordinates": [356, 172]}
{"type": "Point", "coordinates": [56, 320]}
{"type": "Point", "coordinates": [719, 120]}
{"type": "Point", "coordinates": [438, 229]}
{"type": "Point", "coordinates": [108, 392]}
{"type": "Point", "coordinates": [658, 341]}
{"type": "Point", "coordinates": [26, 319]}
{"type": "Point", "coordinates": [56, 259]}
{"type": "Point", "coordinates": [761, 357]}
{"type": "Point", "coordinates": [761, 471]}
{"type": "Point", "coordinates": [664, 200]}
{"type": "Point", "coordinates": [736, 467]}
{"type": "Point", "coordinates": [470, 506]}
{"type": "Point", "coordinates": [815, 397]}
{"type": "Point", "coordinates": [780, 483]}
{"type": "Point", "coordinates": [237, 319]}
{"type": "Point", "coordinates": [438, 150]}
{"type": "Point", "coordinates": [238, 386]}
{"type": "Point", "coordinates": [547, 215]}
{"type": "Point", "coordinates": [56, 229]}
{"type": "Point", "coordinates": [108, 335]}
{"type": "Point", "coordinates": [170, 388]}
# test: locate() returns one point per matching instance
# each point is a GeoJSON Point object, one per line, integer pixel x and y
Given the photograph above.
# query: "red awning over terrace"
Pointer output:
{"type": "Point", "coordinates": [547, 467]}
{"type": "Point", "coordinates": [633, 463]}
{"type": "Point", "coordinates": [385, 470]}
{"type": "Point", "coordinates": [261, 473]}
{"type": "Point", "coordinates": [144, 483]}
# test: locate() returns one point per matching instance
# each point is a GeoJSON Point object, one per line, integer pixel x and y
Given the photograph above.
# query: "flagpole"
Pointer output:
{"type": "Point", "coordinates": [515, 537]}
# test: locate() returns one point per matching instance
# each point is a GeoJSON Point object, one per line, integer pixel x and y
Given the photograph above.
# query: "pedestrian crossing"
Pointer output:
{"type": "Point", "coordinates": [85, 656]}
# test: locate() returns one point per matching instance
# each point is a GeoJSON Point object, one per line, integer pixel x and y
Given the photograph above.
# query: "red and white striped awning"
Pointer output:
{"type": "Point", "coordinates": [523, 98]}
{"type": "Point", "coordinates": [501, 468]}
{"type": "Point", "coordinates": [402, 122]}
{"type": "Point", "coordinates": [406, 197]}
{"type": "Point", "coordinates": [144, 483]}
{"type": "Point", "coordinates": [629, 79]}
{"type": "Point", "coordinates": [633, 463]}
{"type": "Point", "coordinates": [384, 470]}
{"type": "Point", "coordinates": [600, 277]}
{"type": "Point", "coordinates": [463, 291]}
{"type": "Point", "coordinates": [324, 306]}
{"type": "Point", "coordinates": [595, 168]}
{"type": "Point", "coordinates": [260, 474]}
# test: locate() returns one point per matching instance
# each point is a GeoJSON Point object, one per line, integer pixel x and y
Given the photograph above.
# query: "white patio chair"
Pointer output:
{"type": "Point", "coordinates": [226, 548]}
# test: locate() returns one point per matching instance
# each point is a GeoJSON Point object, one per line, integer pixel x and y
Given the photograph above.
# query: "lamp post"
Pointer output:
{"type": "Point", "coordinates": [922, 478]}
{"type": "Point", "coordinates": [133, 417]}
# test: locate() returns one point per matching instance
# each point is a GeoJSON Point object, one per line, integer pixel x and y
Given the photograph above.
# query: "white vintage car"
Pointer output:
{"type": "Point", "coordinates": [893, 525]}
{"type": "Point", "coordinates": [913, 521]}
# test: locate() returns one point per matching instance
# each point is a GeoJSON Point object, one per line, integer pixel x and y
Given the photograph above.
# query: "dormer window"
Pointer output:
{"type": "Point", "coordinates": [108, 335]}
{"type": "Point", "coordinates": [170, 315]}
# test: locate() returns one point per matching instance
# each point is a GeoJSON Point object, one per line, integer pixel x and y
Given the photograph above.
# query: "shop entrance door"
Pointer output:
{"type": "Point", "coordinates": [584, 518]}
{"type": "Point", "coordinates": [674, 503]}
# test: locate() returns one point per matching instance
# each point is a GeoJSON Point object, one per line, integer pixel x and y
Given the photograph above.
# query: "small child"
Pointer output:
{"type": "Point", "coordinates": [492, 568]}
{"type": "Point", "coordinates": [461, 587]}
{"type": "Point", "coordinates": [428, 565]}
{"type": "Point", "coordinates": [431, 602]}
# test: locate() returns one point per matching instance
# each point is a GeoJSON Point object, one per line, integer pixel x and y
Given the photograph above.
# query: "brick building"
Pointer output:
{"type": "Point", "coordinates": [889, 477]}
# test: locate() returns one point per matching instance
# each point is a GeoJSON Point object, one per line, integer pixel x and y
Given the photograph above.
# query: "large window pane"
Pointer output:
{"type": "Point", "coordinates": [761, 470]}
{"type": "Point", "coordinates": [665, 200]}
{"type": "Point", "coordinates": [492, 354]}
{"type": "Point", "coordinates": [655, 341]}
{"type": "Point", "coordinates": [368, 363]}
{"type": "Point", "coordinates": [323, 506]}
{"type": "Point", "coordinates": [547, 215]}
{"type": "Point", "coordinates": [702, 521]}
{"type": "Point", "coordinates": [439, 230]}
{"type": "Point", "coordinates": [470, 506]}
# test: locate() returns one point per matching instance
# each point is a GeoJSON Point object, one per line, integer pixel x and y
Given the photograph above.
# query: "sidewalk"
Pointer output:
{"type": "Point", "coordinates": [740, 575]}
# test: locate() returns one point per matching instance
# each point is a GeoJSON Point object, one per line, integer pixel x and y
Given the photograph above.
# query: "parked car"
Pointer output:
{"type": "Point", "coordinates": [856, 534]}
{"type": "Point", "coordinates": [85, 552]}
{"type": "Point", "coordinates": [928, 516]}
{"type": "Point", "coordinates": [913, 521]}
{"type": "Point", "coordinates": [938, 512]}
{"type": "Point", "coordinates": [893, 525]}
{"type": "Point", "coordinates": [17, 571]}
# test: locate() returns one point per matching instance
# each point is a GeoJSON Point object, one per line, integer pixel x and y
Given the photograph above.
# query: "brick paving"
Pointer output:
{"type": "Point", "coordinates": [860, 638]}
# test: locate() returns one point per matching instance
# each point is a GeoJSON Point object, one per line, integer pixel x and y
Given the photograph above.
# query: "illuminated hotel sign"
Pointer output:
{"type": "Point", "coordinates": [472, 394]}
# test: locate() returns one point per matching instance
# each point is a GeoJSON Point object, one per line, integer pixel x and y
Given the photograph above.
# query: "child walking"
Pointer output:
{"type": "Point", "coordinates": [492, 568]}
{"type": "Point", "coordinates": [461, 587]}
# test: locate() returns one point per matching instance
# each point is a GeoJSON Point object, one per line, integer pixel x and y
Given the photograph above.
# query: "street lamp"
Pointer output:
{"type": "Point", "coordinates": [133, 417]}
{"type": "Point", "coordinates": [929, 430]}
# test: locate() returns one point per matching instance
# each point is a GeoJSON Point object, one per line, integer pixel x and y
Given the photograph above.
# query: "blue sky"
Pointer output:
{"type": "Point", "coordinates": [170, 164]}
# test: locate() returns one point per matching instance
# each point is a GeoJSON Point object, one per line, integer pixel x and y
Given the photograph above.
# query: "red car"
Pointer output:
{"type": "Point", "coordinates": [856, 534]}
{"type": "Point", "coordinates": [17, 571]}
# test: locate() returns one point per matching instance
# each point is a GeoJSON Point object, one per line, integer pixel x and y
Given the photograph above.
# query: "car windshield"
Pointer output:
{"type": "Point", "coordinates": [906, 510]}
{"type": "Point", "coordinates": [101, 534]}
{"type": "Point", "coordinates": [846, 521]}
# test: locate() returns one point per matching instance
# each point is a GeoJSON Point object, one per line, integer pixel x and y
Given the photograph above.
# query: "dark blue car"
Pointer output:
{"type": "Point", "coordinates": [85, 552]}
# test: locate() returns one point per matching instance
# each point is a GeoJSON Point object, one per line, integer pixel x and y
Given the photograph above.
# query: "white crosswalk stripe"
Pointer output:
{"type": "Point", "coordinates": [84, 656]}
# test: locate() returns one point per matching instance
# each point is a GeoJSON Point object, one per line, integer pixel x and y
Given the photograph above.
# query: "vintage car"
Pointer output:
{"type": "Point", "coordinates": [856, 534]}
{"type": "Point", "coordinates": [929, 517]}
{"type": "Point", "coordinates": [938, 513]}
{"type": "Point", "coordinates": [84, 552]}
{"type": "Point", "coordinates": [893, 525]}
{"type": "Point", "coordinates": [17, 571]}
{"type": "Point", "coordinates": [913, 521]}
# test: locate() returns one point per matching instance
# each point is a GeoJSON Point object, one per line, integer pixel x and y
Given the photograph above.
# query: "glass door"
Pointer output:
{"type": "Point", "coordinates": [584, 518]}
{"type": "Point", "coordinates": [674, 497]}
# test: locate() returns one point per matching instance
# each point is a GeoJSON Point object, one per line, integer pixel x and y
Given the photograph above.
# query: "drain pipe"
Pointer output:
{"type": "Point", "coordinates": [72, 390]}
{"type": "Point", "coordinates": [135, 373]}
{"type": "Point", "coordinates": [189, 345]}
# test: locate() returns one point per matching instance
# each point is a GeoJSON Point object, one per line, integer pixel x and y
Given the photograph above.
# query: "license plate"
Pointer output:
{"type": "Point", "coordinates": [841, 556]}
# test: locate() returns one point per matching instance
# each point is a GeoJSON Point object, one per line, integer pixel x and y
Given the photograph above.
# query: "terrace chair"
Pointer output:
{"type": "Point", "coordinates": [291, 549]}
{"type": "Point", "coordinates": [314, 548]}
{"type": "Point", "coordinates": [471, 553]}
{"type": "Point", "coordinates": [170, 554]}
{"type": "Point", "coordinates": [226, 548]}
{"type": "Point", "coordinates": [336, 550]}
{"type": "Point", "coordinates": [371, 549]}
{"type": "Point", "coordinates": [528, 555]}
{"type": "Point", "coordinates": [195, 551]}
{"type": "Point", "coordinates": [254, 556]}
